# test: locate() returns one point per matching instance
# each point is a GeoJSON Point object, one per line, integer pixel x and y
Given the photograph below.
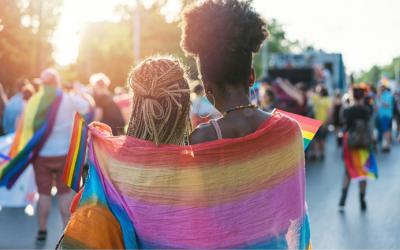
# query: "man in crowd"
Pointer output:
{"type": "Point", "coordinates": [14, 107]}
{"type": "Point", "coordinates": [385, 116]}
{"type": "Point", "coordinates": [107, 111]}
{"type": "Point", "coordinates": [49, 164]}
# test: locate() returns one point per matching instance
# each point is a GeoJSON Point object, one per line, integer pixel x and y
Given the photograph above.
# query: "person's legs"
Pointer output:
{"type": "Point", "coordinates": [387, 133]}
{"type": "Point", "coordinates": [345, 189]}
{"type": "Point", "coordinates": [43, 177]}
{"type": "Point", "coordinates": [363, 190]}
{"type": "Point", "coordinates": [44, 205]}
{"type": "Point", "coordinates": [64, 201]}
{"type": "Point", "coordinates": [63, 191]}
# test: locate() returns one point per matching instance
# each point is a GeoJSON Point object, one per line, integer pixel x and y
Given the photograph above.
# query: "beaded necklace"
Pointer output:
{"type": "Point", "coordinates": [239, 108]}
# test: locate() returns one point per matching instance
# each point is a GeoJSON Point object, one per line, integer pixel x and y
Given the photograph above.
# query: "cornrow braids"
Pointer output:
{"type": "Point", "coordinates": [161, 101]}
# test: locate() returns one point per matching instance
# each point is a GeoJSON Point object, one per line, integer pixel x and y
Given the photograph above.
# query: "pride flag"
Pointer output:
{"type": "Point", "coordinates": [77, 154]}
{"type": "Point", "coordinates": [245, 192]}
{"type": "Point", "coordinates": [35, 127]}
{"type": "Point", "coordinates": [360, 163]}
{"type": "Point", "coordinates": [309, 127]}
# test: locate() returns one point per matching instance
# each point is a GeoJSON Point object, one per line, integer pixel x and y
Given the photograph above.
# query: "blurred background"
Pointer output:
{"type": "Point", "coordinates": [333, 44]}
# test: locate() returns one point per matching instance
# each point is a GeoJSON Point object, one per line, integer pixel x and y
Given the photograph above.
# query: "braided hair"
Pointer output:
{"type": "Point", "coordinates": [161, 101]}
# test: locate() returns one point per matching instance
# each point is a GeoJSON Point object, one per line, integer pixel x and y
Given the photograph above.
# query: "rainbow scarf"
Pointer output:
{"type": "Point", "coordinates": [360, 163]}
{"type": "Point", "coordinates": [246, 192]}
{"type": "Point", "coordinates": [34, 128]}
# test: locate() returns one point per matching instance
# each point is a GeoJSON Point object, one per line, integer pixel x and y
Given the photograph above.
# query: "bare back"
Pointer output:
{"type": "Point", "coordinates": [235, 125]}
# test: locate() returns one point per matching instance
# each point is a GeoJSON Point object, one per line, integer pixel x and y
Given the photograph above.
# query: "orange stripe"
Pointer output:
{"type": "Point", "coordinates": [75, 156]}
{"type": "Point", "coordinates": [72, 149]}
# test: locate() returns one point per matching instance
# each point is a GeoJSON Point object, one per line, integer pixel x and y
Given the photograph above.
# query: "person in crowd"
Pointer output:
{"type": "Point", "coordinates": [27, 92]}
{"type": "Point", "coordinates": [107, 111]}
{"type": "Point", "coordinates": [322, 111]}
{"type": "Point", "coordinates": [224, 62]}
{"type": "Point", "coordinates": [337, 109]}
{"type": "Point", "coordinates": [14, 107]}
{"type": "Point", "coordinates": [123, 99]}
{"type": "Point", "coordinates": [36, 82]}
{"type": "Point", "coordinates": [49, 164]}
{"type": "Point", "coordinates": [160, 81]}
{"type": "Point", "coordinates": [202, 110]}
{"type": "Point", "coordinates": [267, 99]}
{"type": "Point", "coordinates": [397, 113]}
{"type": "Point", "coordinates": [3, 103]}
{"type": "Point", "coordinates": [294, 97]}
{"type": "Point", "coordinates": [357, 139]}
{"type": "Point", "coordinates": [385, 104]}
{"type": "Point", "coordinates": [155, 81]}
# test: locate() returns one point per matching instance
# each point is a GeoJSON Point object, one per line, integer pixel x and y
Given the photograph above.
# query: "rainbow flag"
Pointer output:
{"type": "Point", "coordinates": [309, 127]}
{"type": "Point", "coordinates": [76, 154]}
{"type": "Point", "coordinates": [360, 163]}
{"type": "Point", "coordinates": [35, 127]}
{"type": "Point", "coordinates": [245, 192]}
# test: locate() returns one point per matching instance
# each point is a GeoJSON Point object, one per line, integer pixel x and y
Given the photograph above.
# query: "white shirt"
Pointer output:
{"type": "Point", "coordinates": [57, 143]}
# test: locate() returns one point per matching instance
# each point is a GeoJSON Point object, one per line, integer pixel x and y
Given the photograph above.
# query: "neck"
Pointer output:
{"type": "Point", "coordinates": [231, 97]}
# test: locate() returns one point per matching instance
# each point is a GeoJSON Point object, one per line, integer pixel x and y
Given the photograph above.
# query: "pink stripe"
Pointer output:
{"type": "Point", "coordinates": [269, 213]}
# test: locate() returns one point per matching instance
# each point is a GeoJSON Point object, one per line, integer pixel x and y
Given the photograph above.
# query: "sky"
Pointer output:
{"type": "Point", "coordinates": [367, 32]}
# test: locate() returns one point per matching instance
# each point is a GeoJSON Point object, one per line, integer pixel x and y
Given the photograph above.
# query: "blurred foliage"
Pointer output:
{"type": "Point", "coordinates": [26, 27]}
{"type": "Point", "coordinates": [374, 74]}
{"type": "Point", "coordinates": [108, 46]}
{"type": "Point", "coordinates": [277, 42]}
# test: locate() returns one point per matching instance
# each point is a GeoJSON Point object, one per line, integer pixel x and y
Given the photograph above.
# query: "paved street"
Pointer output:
{"type": "Point", "coordinates": [379, 227]}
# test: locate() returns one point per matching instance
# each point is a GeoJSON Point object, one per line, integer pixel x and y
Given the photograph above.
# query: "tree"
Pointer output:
{"type": "Point", "coordinates": [25, 46]}
{"type": "Point", "coordinates": [277, 42]}
{"type": "Point", "coordinates": [108, 46]}
{"type": "Point", "coordinates": [374, 74]}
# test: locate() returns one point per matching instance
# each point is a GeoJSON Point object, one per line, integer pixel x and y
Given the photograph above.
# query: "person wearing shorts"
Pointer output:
{"type": "Point", "coordinates": [48, 165]}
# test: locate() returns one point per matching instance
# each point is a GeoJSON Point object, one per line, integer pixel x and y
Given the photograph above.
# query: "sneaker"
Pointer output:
{"type": "Point", "coordinates": [363, 205]}
{"type": "Point", "coordinates": [342, 202]}
{"type": "Point", "coordinates": [41, 236]}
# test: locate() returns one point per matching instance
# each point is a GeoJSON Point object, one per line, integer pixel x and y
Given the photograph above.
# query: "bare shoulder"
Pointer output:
{"type": "Point", "coordinates": [203, 133]}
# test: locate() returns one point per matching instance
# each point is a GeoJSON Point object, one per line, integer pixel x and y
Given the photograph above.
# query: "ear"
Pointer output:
{"type": "Point", "coordinates": [252, 78]}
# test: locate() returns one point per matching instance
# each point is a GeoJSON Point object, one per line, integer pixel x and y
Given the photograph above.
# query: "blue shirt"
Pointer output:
{"type": "Point", "coordinates": [12, 111]}
{"type": "Point", "coordinates": [385, 105]}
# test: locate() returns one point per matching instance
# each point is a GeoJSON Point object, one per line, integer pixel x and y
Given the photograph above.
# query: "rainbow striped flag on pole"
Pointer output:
{"type": "Point", "coordinates": [309, 126]}
{"type": "Point", "coordinates": [76, 153]}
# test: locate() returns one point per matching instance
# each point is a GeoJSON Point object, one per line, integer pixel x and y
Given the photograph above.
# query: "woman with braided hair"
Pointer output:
{"type": "Point", "coordinates": [161, 102]}
{"type": "Point", "coordinates": [160, 113]}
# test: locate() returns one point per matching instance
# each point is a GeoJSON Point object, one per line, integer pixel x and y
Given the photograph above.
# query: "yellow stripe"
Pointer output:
{"type": "Point", "coordinates": [28, 117]}
{"type": "Point", "coordinates": [165, 184]}
{"type": "Point", "coordinates": [78, 142]}
{"type": "Point", "coordinates": [307, 135]}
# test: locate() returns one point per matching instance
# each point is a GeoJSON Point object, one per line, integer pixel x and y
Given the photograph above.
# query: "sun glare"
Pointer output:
{"type": "Point", "coordinates": [76, 13]}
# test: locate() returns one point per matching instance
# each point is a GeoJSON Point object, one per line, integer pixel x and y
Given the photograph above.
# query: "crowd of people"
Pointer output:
{"type": "Point", "coordinates": [363, 115]}
{"type": "Point", "coordinates": [164, 107]}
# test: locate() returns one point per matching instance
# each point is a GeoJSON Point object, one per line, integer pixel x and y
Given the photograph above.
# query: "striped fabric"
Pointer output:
{"type": "Point", "coordinates": [246, 192]}
{"type": "Point", "coordinates": [77, 154]}
{"type": "Point", "coordinates": [36, 125]}
{"type": "Point", "coordinates": [360, 163]}
{"type": "Point", "coordinates": [309, 127]}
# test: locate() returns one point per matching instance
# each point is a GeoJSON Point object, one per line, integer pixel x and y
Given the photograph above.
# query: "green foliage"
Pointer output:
{"type": "Point", "coordinates": [277, 42]}
{"type": "Point", "coordinates": [108, 46]}
{"type": "Point", "coordinates": [374, 74]}
{"type": "Point", "coordinates": [25, 30]}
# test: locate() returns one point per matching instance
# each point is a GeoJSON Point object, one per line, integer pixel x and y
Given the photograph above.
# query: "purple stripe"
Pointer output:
{"type": "Point", "coordinates": [263, 215]}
